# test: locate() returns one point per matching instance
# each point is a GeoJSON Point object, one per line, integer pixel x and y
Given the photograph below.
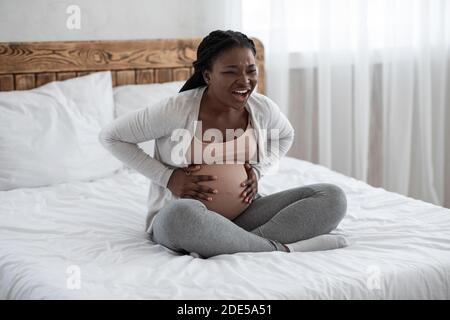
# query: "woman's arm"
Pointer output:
{"type": "Point", "coordinates": [122, 135]}
{"type": "Point", "coordinates": [276, 147]}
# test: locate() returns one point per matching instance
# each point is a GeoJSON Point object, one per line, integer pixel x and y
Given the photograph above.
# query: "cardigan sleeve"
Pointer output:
{"type": "Point", "coordinates": [121, 136]}
{"type": "Point", "coordinates": [280, 137]}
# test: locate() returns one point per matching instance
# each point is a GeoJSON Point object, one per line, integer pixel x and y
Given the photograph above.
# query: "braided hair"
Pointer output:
{"type": "Point", "coordinates": [210, 48]}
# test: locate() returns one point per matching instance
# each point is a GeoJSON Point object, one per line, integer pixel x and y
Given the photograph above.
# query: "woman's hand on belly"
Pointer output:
{"type": "Point", "coordinates": [251, 184]}
{"type": "Point", "coordinates": [186, 185]}
{"type": "Point", "coordinates": [227, 201]}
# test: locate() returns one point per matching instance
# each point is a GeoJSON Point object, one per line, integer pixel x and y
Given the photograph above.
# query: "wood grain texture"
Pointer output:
{"type": "Point", "coordinates": [65, 75]}
{"type": "Point", "coordinates": [163, 75]}
{"type": "Point", "coordinates": [25, 65]}
{"type": "Point", "coordinates": [6, 82]}
{"type": "Point", "coordinates": [181, 74]}
{"type": "Point", "coordinates": [24, 81]}
{"type": "Point", "coordinates": [145, 76]}
{"type": "Point", "coordinates": [124, 77]}
{"type": "Point", "coordinates": [45, 77]}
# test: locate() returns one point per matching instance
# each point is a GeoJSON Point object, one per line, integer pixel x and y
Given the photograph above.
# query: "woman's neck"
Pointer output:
{"type": "Point", "coordinates": [212, 106]}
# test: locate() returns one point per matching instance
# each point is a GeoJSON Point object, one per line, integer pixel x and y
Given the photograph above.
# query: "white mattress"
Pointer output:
{"type": "Point", "coordinates": [400, 250]}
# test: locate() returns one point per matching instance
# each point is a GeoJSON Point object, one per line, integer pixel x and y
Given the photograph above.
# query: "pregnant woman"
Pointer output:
{"type": "Point", "coordinates": [203, 196]}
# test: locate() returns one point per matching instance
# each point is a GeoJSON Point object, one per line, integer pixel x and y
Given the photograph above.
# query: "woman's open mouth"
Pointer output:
{"type": "Point", "coordinates": [241, 95]}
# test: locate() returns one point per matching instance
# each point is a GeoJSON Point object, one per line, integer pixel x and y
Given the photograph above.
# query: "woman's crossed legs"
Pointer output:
{"type": "Point", "coordinates": [186, 225]}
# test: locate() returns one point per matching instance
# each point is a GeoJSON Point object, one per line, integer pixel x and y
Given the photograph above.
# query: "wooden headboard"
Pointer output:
{"type": "Point", "coordinates": [26, 65]}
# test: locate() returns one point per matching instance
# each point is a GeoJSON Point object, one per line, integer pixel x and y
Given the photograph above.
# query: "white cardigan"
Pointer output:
{"type": "Point", "coordinates": [181, 111]}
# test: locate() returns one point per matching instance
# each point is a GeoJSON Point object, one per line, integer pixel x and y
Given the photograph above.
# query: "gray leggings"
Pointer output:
{"type": "Point", "coordinates": [186, 225]}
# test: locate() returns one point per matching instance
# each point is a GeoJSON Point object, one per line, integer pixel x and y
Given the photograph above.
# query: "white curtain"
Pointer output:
{"type": "Point", "coordinates": [365, 84]}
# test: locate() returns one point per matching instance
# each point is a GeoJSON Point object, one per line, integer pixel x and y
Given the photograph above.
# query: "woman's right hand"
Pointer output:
{"type": "Point", "coordinates": [184, 185]}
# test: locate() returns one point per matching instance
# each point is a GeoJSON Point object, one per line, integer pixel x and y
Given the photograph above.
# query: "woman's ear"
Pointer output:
{"type": "Point", "coordinates": [206, 76]}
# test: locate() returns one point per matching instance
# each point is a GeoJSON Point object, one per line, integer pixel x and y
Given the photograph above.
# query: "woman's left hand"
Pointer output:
{"type": "Point", "coordinates": [251, 184]}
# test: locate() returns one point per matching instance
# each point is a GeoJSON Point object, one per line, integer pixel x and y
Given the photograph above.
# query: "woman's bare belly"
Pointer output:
{"type": "Point", "coordinates": [227, 201]}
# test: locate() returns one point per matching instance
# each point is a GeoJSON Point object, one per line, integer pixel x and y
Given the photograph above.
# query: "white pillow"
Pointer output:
{"type": "Point", "coordinates": [137, 96]}
{"type": "Point", "coordinates": [49, 134]}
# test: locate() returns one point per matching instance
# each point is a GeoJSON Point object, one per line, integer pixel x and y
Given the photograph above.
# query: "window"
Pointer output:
{"type": "Point", "coordinates": [345, 25]}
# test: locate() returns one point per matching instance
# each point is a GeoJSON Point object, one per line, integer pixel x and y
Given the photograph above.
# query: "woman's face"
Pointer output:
{"type": "Point", "coordinates": [233, 70]}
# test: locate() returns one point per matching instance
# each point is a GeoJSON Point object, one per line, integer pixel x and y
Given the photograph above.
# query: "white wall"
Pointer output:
{"type": "Point", "coordinates": [45, 20]}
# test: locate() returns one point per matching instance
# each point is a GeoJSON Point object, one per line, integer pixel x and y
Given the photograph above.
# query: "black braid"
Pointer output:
{"type": "Point", "coordinates": [210, 48]}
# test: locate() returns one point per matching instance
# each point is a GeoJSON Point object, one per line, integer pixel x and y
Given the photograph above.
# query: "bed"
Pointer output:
{"type": "Point", "coordinates": [79, 240]}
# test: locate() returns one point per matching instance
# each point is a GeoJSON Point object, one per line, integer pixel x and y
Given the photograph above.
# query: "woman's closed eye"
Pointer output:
{"type": "Point", "coordinates": [252, 71]}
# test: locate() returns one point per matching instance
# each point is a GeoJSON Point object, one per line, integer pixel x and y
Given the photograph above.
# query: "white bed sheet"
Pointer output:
{"type": "Point", "coordinates": [400, 250]}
